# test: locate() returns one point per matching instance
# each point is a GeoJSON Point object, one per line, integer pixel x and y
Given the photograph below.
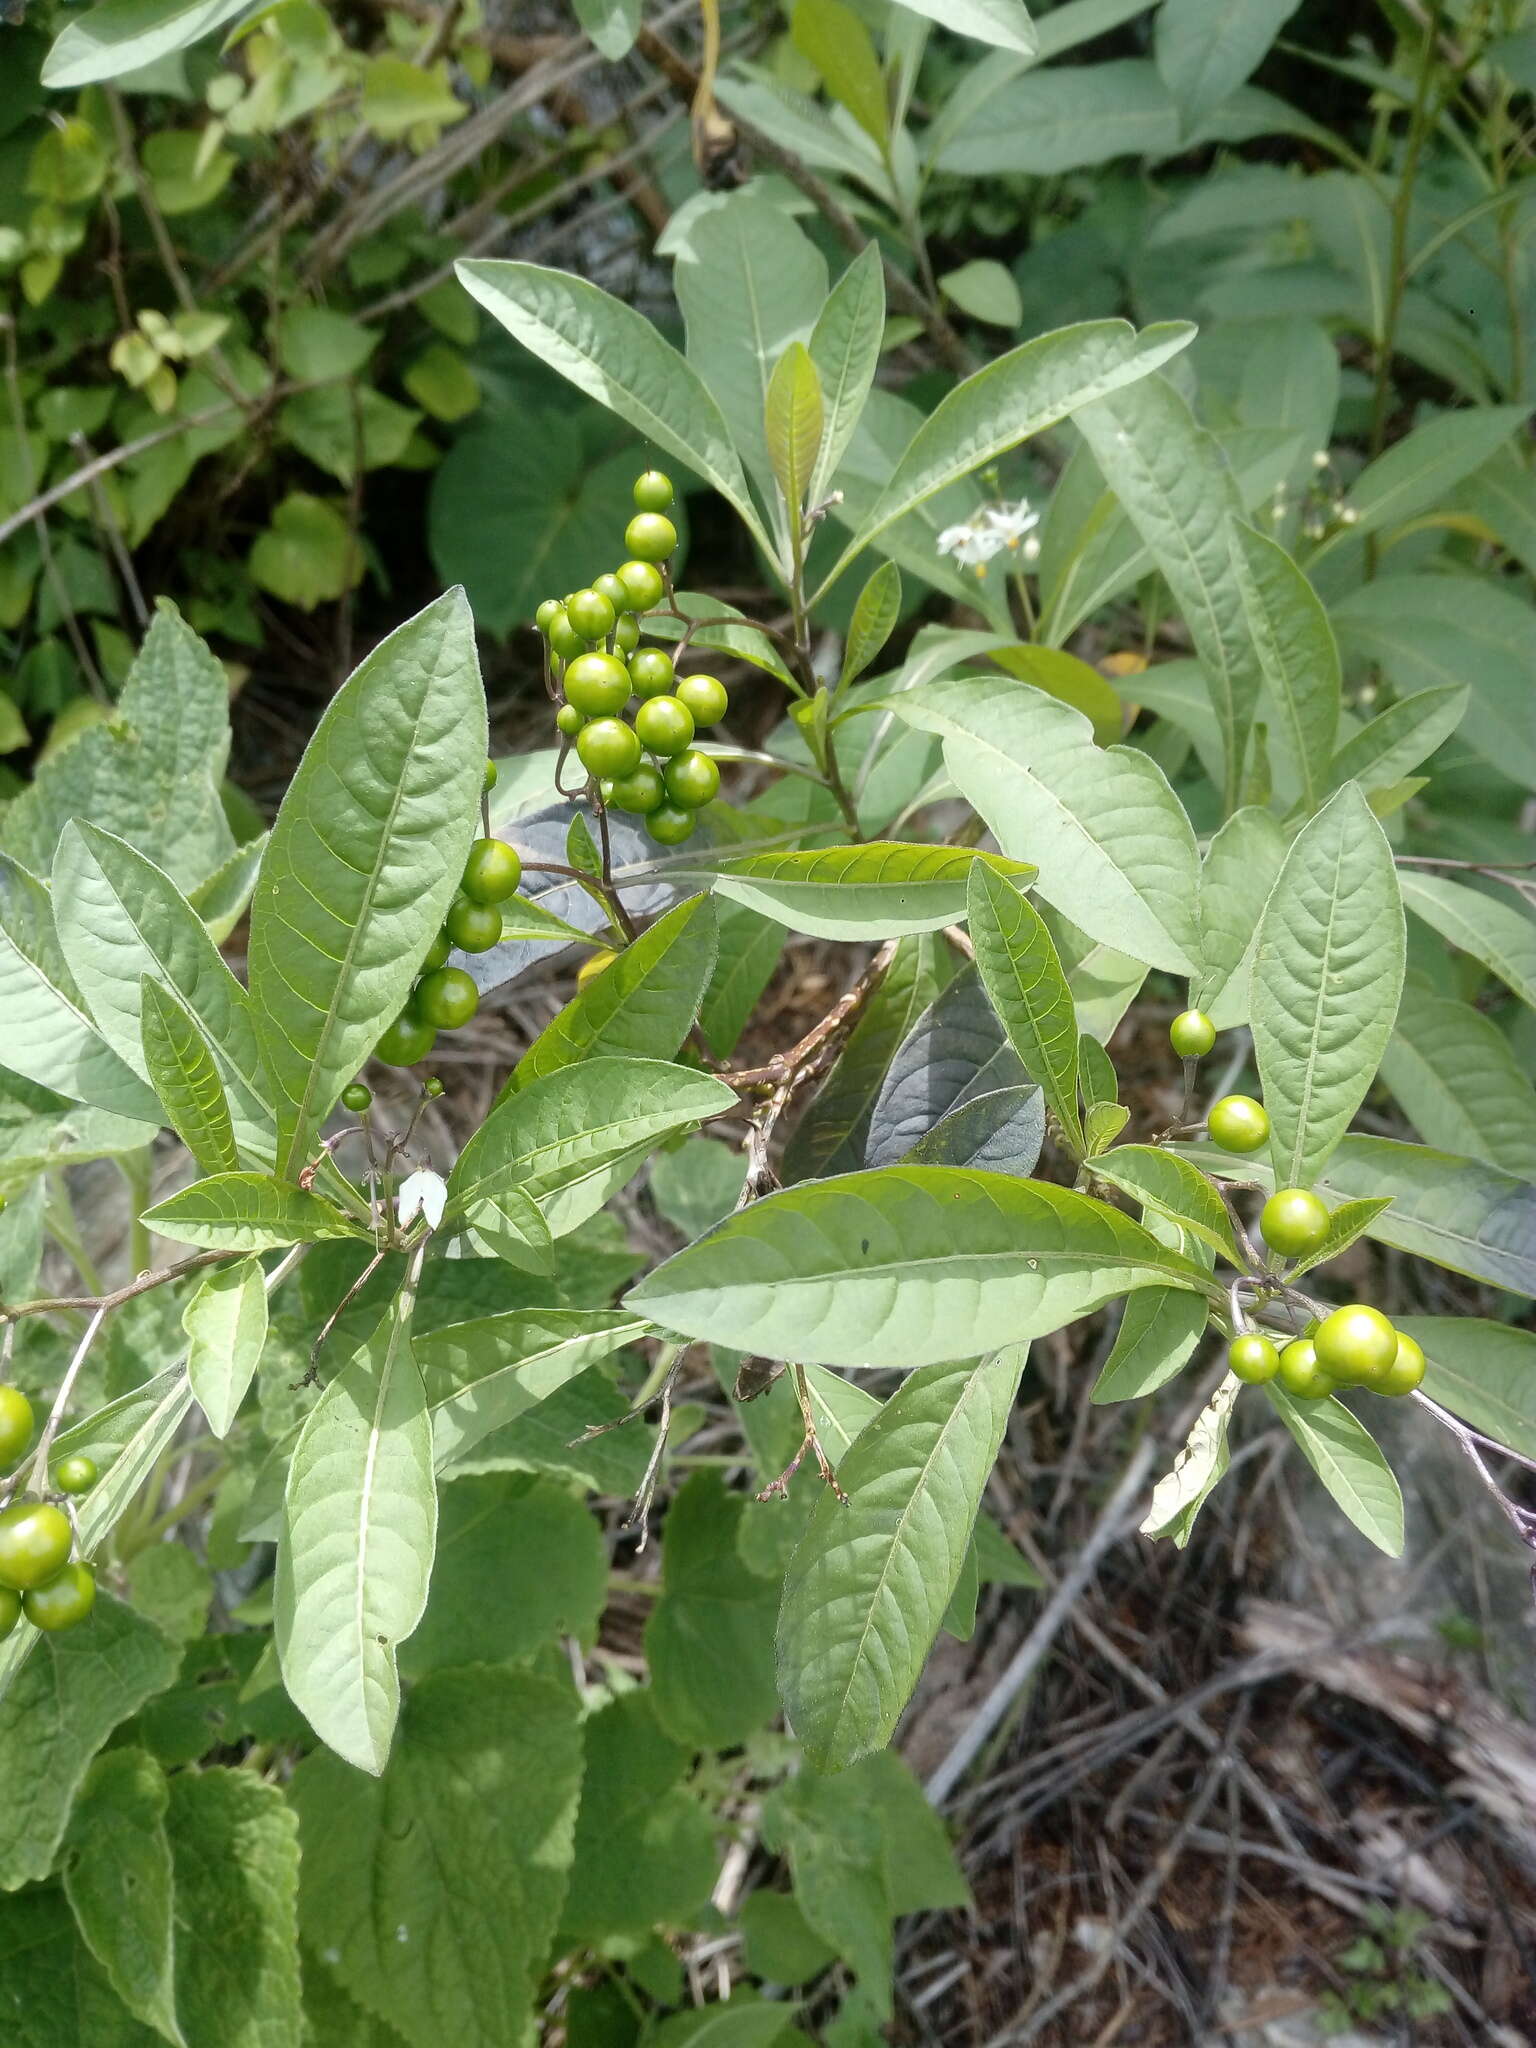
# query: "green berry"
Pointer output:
{"type": "Point", "coordinates": [608, 747]}
{"type": "Point", "coordinates": [474, 927]}
{"type": "Point", "coordinates": [598, 685]}
{"type": "Point", "coordinates": [356, 1096]}
{"type": "Point", "coordinates": [570, 720]}
{"type": "Point", "coordinates": [1253, 1358]}
{"type": "Point", "coordinates": [643, 584]}
{"type": "Point", "coordinates": [650, 671]}
{"type": "Point", "coordinates": [692, 779]}
{"type": "Point", "coordinates": [664, 725]}
{"type": "Point", "coordinates": [437, 953]}
{"type": "Point", "coordinates": [10, 1610]}
{"type": "Point", "coordinates": [704, 696]}
{"type": "Point", "coordinates": [406, 1041]}
{"type": "Point", "coordinates": [488, 780]}
{"type": "Point", "coordinates": [640, 791]}
{"type": "Point", "coordinates": [446, 1000]}
{"type": "Point", "coordinates": [608, 585]}
{"type": "Point", "coordinates": [653, 491]}
{"type": "Point", "coordinates": [492, 871]}
{"type": "Point", "coordinates": [62, 1601]}
{"type": "Point", "coordinates": [1406, 1371]}
{"type": "Point", "coordinates": [669, 825]}
{"type": "Point", "coordinates": [432, 1088]}
{"type": "Point", "coordinates": [1356, 1344]}
{"type": "Point", "coordinates": [75, 1474]}
{"type": "Point", "coordinates": [1293, 1222]}
{"type": "Point", "coordinates": [564, 639]}
{"type": "Point", "coordinates": [35, 1542]}
{"type": "Point", "coordinates": [1192, 1034]}
{"type": "Point", "coordinates": [1301, 1375]}
{"type": "Point", "coordinates": [650, 537]}
{"type": "Point", "coordinates": [591, 614]}
{"type": "Point", "coordinates": [626, 634]}
{"type": "Point", "coordinates": [547, 613]}
{"type": "Point", "coordinates": [16, 1418]}
{"type": "Point", "coordinates": [1238, 1124]}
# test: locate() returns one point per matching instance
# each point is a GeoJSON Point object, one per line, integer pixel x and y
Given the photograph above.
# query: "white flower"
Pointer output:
{"type": "Point", "coordinates": [972, 546]}
{"type": "Point", "coordinates": [424, 1194]}
{"type": "Point", "coordinates": [1012, 522]}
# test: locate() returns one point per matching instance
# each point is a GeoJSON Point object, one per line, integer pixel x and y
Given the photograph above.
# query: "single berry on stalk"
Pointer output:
{"type": "Point", "coordinates": [598, 685]}
{"type": "Point", "coordinates": [75, 1474]}
{"type": "Point", "coordinates": [593, 616]}
{"type": "Point", "coordinates": [640, 791]}
{"type": "Point", "coordinates": [492, 871]}
{"type": "Point", "coordinates": [653, 491]}
{"type": "Point", "coordinates": [1192, 1034]}
{"type": "Point", "coordinates": [626, 634]}
{"type": "Point", "coordinates": [570, 720]}
{"type": "Point", "coordinates": [62, 1601]}
{"type": "Point", "coordinates": [664, 725]}
{"type": "Point", "coordinates": [608, 585]}
{"type": "Point", "coordinates": [446, 1000]}
{"type": "Point", "coordinates": [489, 781]}
{"type": "Point", "coordinates": [473, 927]}
{"type": "Point", "coordinates": [650, 671]}
{"type": "Point", "coordinates": [547, 613]}
{"type": "Point", "coordinates": [1293, 1222]}
{"type": "Point", "coordinates": [608, 747]}
{"type": "Point", "coordinates": [643, 584]}
{"type": "Point", "coordinates": [1253, 1358]}
{"type": "Point", "coordinates": [669, 825]}
{"type": "Point", "coordinates": [1356, 1344]}
{"type": "Point", "coordinates": [1406, 1372]}
{"type": "Point", "coordinates": [356, 1096]}
{"type": "Point", "coordinates": [704, 696]}
{"type": "Point", "coordinates": [1301, 1375]}
{"type": "Point", "coordinates": [35, 1542]}
{"type": "Point", "coordinates": [692, 779]}
{"type": "Point", "coordinates": [406, 1041]}
{"type": "Point", "coordinates": [650, 537]}
{"type": "Point", "coordinates": [1238, 1124]}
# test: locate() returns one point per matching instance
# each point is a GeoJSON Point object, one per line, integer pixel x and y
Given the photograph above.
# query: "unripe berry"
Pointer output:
{"type": "Point", "coordinates": [356, 1096]}
{"type": "Point", "coordinates": [692, 779]}
{"type": "Point", "coordinates": [1301, 1375]}
{"type": "Point", "coordinates": [1356, 1343]}
{"type": "Point", "coordinates": [1192, 1034]}
{"type": "Point", "coordinates": [650, 537]}
{"type": "Point", "coordinates": [664, 725]}
{"type": "Point", "coordinates": [642, 583]}
{"type": "Point", "coordinates": [653, 491]}
{"type": "Point", "coordinates": [705, 697]}
{"type": "Point", "coordinates": [591, 614]}
{"type": "Point", "coordinates": [564, 639]}
{"type": "Point", "coordinates": [570, 720]}
{"type": "Point", "coordinates": [474, 927]}
{"type": "Point", "coordinates": [608, 747]}
{"type": "Point", "coordinates": [75, 1474]}
{"type": "Point", "coordinates": [1238, 1124]}
{"type": "Point", "coordinates": [1293, 1222]}
{"type": "Point", "coordinates": [1406, 1372]}
{"type": "Point", "coordinates": [598, 685]}
{"type": "Point", "coordinates": [405, 1042]}
{"type": "Point", "coordinates": [1253, 1358]}
{"type": "Point", "coordinates": [669, 825]}
{"type": "Point", "coordinates": [492, 871]}
{"type": "Point", "coordinates": [639, 792]}
{"type": "Point", "coordinates": [650, 671]}
{"type": "Point", "coordinates": [446, 1000]}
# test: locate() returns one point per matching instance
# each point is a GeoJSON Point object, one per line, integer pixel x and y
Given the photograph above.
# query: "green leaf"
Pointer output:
{"type": "Point", "coordinates": [247, 1212]}
{"type": "Point", "coordinates": [986, 291]}
{"type": "Point", "coordinates": [489, 1371]}
{"type": "Point", "coordinates": [1399, 738]}
{"type": "Point", "coordinates": [709, 1641]}
{"type": "Point", "coordinates": [1206, 49]}
{"type": "Point", "coordinates": [359, 1524]}
{"type": "Point", "coordinates": [182, 1073]}
{"type": "Point", "coordinates": [1485, 1372]}
{"type": "Point", "coordinates": [845, 346]}
{"type": "Point", "coordinates": [1239, 871]}
{"type": "Point", "coordinates": [956, 1053]}
{"type": "Point", "coordinates": [1000, 1132]}
{"type": "Point", "coordinates": [235, 1847]}
{"type": "Point", "coordinates": [54, 1716]}
{"type": "Point", "coordinates": [1487, 927]}
{"type": "Point", "coordinates": [1174, 1188]}
{"type": "Point", "coordinates": [222, 897]}
{"type": "Point", "coordinates": [226, 1326]}
{"type": "Point", "coordinates": [1345, 1223]}
{"type": "Point", "coordinates": [1456, 1075]}
{"type": "Point", "coordinates": [750, 949]}
{"type": "Point", "coordinates": [1005, 24]}
{"type": "Point", "coordinates": [1327, 974]}
{"type": "Point", "coordinates": [879, 890]}
{"type": "Point", "coordinates": [1022, 975]}
{"type": "Point", "coordinates": [1345, 1457]}
{"type": "Point", "coordinates": [869, 1585]}
{"type": "Point", "coordinates": [1196, 1472]}
{"type": "Point", "coordinates": [1416, 473]}
{"type": "Point", "coordinates": [874, 616]}
{"type": "Point", "coordinates": [731, 633]}
{"type": "Point", "coordinates": [616, 356]}
{"type": "Point", "coordinates": [572, 1138]}
{"type": "Point", "coordinates": [308, 554]}
{"type": "Point", "coordinates": [119, 1882]}
{"type": "Point", "coordinates": [434, 1892]}
{"type": "Point", "coordinates": [792, 426]}
{"type": "Point", "coordinates": [1023, 392]}
{"type": "Point", "coordinates": [612, 25]}
{"type": "Point", "coordinates": [1171, 478]}
{"type": "Point", "coordinates": [316, 344]}
{"type": "Point", "coordinates": [644, 1004]}
{"type": "Point", "coordinates": [1297, 654]}
{"type": "Point", "coordinates": [51, 1987]}
{"type": "Point", "coordinates": [1063, 676]}
{"type": "Point", "coordinates": [400, 96]}
{"type": "Point", "coordinates": [904, 1266]}
{"type": "Point", "coordinates": [364, 860]}
{"type": "Point", "coordinates": [347, 430]}
{"type": "Point", "coordinates": [122, 36]}
{"type": "Point", "coordinates": [834, 39]}
{"type": "Point", "coordinates": [1115, 850]}
{"type": "Point", "coordinates": [1156, 1338]}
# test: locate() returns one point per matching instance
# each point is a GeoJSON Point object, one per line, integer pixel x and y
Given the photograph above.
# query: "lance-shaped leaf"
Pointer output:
{"type": "Point", "coordinates": [1239, 871]}
{"type": "Point", "coordinates": [1175, 1188]}
{"type": "Point", "coordinates": [1022, 975]}
{"type": "Point", "coordinates": [882, 890]}
{"type": "Point", "coordinates": [1456, 1075]}
{"type": "Point", "coordinates": [126, 35]}
{"type": "Point", "coordinates": [222, 898]}
{"type": "Point", "coordinates": [957, 1052]}
{"type": "Point", "coordinates": [845, 347]}
{"type": "Point", "coordinates": [1489, 928]}
{"type": "Point", "coordinates": [1157, 1335]}
{"type": "Point", "coordinates": [247, 1212]}
{"type": "Point", "coordinates": [616, 356]}
{"type": "Point", "coordinates": [1346, 1458]}
{"type": "Point", "coordinates": [1000, 1132]}
{"type": "Point", "coordinates": [1196, 1472]}
{"type": "Point", "coordinates": [359, 1529]}
{"type": "Point", "coordinates": [489, 1371]}
{"type": "Point", "coordinates": [226, 1326]}
{"type": "Point", "coordinates": [869, 1584]}
{"type": "Point", "coordinates": [1399, 738]}
{"type": "Point", "coordinates": [364, 860]}
{"type": "Point", "coordinates": [905, 1266]}
{"type": "Point", "coordinates": [792, 425]}
{"type": "Point", "coordinates": [1030, 388]}
{"type": "Point", "coordinates": [874, 615]}
{"type": "Point", "coordinates": [1327, 974]}
{"type": "Point", "coordinates": [183, 1074]}
{"type": "Point", "coordinates": [1115, 850]}
{"type": "Point", "coordinates": [1297, 654]}
{"type": "Point", "coordinates": [1485, 1372]}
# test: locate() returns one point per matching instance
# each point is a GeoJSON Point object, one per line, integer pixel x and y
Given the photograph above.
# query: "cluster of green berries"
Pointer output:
{"type": "Point", "coordinates": [1355, 1346]}
{"type": "Point", "coordinates": [37, 1576]}
{"type": "Point", "coordinates": [595, 655]}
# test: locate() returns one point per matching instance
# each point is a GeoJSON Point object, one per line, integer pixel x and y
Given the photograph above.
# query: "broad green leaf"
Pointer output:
{"type": "Point", "coordinates": [434, 1891]}
{"type": "Point", "coordinates": [615, 354]}
{"type": "Point", "coordinates": [1176, 1189]}
{"type": "Point", "coordinates": [1030, 388]}
{"type": "Point", "coordinates": [869, 1585]}
{"type": "Point", "coordinates": [359, 1524]}
{"type": "Point", "coordinates": [709, 1641]}
{"type": "Point", "coordinates": [880, 890]}
{"type": "Point", "coordinates": [1398, 739]}
{"type": "Point", "coordinates": [1485, 1372]}
{"type": "Point", "coordinates": [1489, 928]}
{"type": "Point", "coordinates": [612, 25]}
{"type": "Point", "coordinates": [1502, 493]}
{"type": "Point", "coordinates": [1205, 49]}
{"type": "Point", "coordinates": [121, 36]}
{"type": "Point", "coordinates": [222, 897]}
{"type": "Point", "coordinates": [1196, 1472]}
{"type": "Point", "coordinates": [226, 1326]}
{"type": "Point", "coordinates": [904, 1266]}
{"type": "Point", "coordinates": [999, 1132]}
{"type": "Point", "coordinates": [1327, 973]}
{"type": "Point", "coordinates": [485, 1373]}
{"type": "Point", "coordinates": [750, 948]}
{"type": "Point", "coordinates": [984, 290]}
{"type": "Point", "coordinates": [644, 1004]}
{"type": "Point", "coordinates": [1005, 24]}
{"type": "Point", "coordinates": [570, 1139]}
{"type": "Point", "coordinates": [235, 1846]}
{"type": "Point", "coordinates": [833, 38]}
{"type": "Point", "coordinates": [52, 1989]}
{"type": "Point", "coordinates": [49, 1037]}
{"type": "Point", "coordinates": [1115, 850]}
{"type": "Point", "coordinates": [874, 616]}
{"type": "Point", "coordinates": [1345, 1457]}
{"type": "Point", "coordinates": [247, 1212]}
{"type": "Point", "coordinates": [1456, 1075]}
{"type": "Point", "coordinates": [182, 1073]}
{"type": "Point", "coordinates": [1022, 975]}
{"type": "Point", "coordinates": [1417, 472]}
{"type": "Point", "coordinates": [792, 428]}
{"type": "Point", "coordinates": [1168, 473]}
{"type": "Point", "coordinates": [1063, 675]}
{"type": "Point", "coordinates": [364, 860]}
{"type": "Point", "coordinates": [1297, 655]}
{"type": "Point", "coordinates": [119, 1882]}
{"type": "Point", "coordinates": [845, 347]}
{"type": "Point", "coordinates": [1157, 1335]}
{"type": "Point", "coordinates": [1238, 872]}
{"type": "Point", "coordinates": [956, 1053]}
{"type": "Point", "coordinates": [54, 1716]}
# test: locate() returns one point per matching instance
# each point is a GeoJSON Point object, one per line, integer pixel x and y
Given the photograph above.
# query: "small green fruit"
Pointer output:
{"type": "Point", "coordinates": [62, 1601]}
{"type": "Point", "coordinates": [1192, 1034]}
{"type": "Point", "coordinates": [1238, 1124]}
{"type": "Point", "coordinates": [437, 953]}
{"type": "Point", "coordinates": [474, 927]}
{"type": "Point", "coordinates": [406, 1041]}
{"type": "Point", "coordinates": [1406, 1372]}
{"type": "Point", "coordinates": [570, 720]}
{"type": "Point", "coordinates": [1293, 1222]}
{"type": "Point", "coordinates": [692, 779]}
{"type": "Point", "coordinates": [16, 1417]}
{"type": "Point", "coordinates": [1356, 1344]}
{"type": "Point", "coordinates": [650, 537]}
{"type": "Point", "coordinates": [446, 1000]}
{"type": "Point", "coordinates": [642, 583]}
{"type": "Point", "coordinates": [608, 585]}
{"type": "Point", "coordinates": [488, 780]}
{"type": "Point", "coordinates": [598, 685]}
{"type": "Point", "coordinates": [492, 871]}
{"type": "Point", "coordinates": [639, 792]}
{"type": "Point", "coordinates": [356, 1096]}
{"type": "Point", "coordinates": [650, 670]}
{"type": "Point", "coordinates": [75, 1474]}
{"type": "Point", "coordinates": [670, 826]}
{"type": "Point", "coordinates": [705, 697]}
{"type": "Point", "coordinates": [1253, 1358]}
{"type": "Point", "coordinates": [608, 747]}
{"type": "Point", "coordinates": [1301, 1375]}
{"type": "Point", "coordinates": [35, 1542]}
{"type": "Point", "coordinates": [591, 614]}
{"type": "Point", "coordinates": [547, 613]}
{"type": "Point", "coordinates": [564, 640]}
{"type": "Point", "coordinates": [626, 634]}
{"type": "Point", "coordinates": [653, 491]}
{"type": "Point", "coordinates": [664, 725]}
{"type": "Point", "coordinates": [10, 1610]}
